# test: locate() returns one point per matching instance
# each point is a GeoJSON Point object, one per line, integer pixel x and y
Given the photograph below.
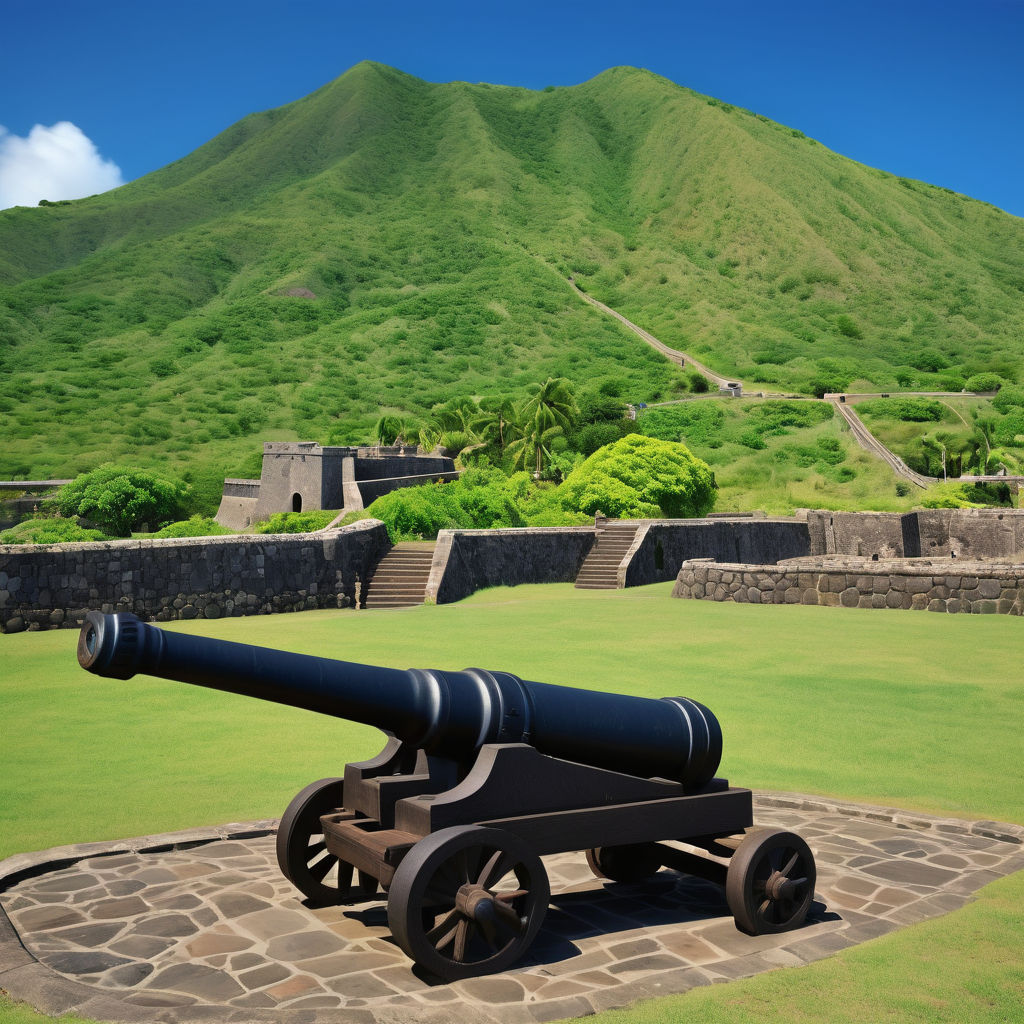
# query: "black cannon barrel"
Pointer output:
{"type": "Point", "coordinates": [448, 714]}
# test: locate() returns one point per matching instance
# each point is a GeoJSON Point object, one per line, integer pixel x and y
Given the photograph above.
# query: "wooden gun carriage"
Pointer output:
{"type": "Point", "coordinates": [483, 774]}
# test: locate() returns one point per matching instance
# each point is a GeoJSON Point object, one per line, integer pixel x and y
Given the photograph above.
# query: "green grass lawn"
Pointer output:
{"type": "Point", "coordinates": [919, 711]}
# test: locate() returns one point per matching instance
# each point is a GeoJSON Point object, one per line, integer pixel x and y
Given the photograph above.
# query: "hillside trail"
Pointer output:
{"type": "Point", "coordinates": [682, 358]}
{"type": "Point", "coordinates": [858, 428]}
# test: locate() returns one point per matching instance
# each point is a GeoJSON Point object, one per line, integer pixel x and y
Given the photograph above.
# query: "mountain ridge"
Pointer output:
{"type": "Point", "coordinates": [416, 214]}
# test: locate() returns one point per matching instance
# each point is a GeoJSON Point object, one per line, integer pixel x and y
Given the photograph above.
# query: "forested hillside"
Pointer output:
{"type": "Point", "coordinates": [387, 243]}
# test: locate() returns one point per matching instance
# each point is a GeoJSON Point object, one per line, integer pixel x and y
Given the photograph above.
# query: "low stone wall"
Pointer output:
{"type": "Point", "coordinates": [937, 585]}
{"type": "Point", "coordinates": [664, 544]}
{"type": "Point", "coordinates": [53, 585]}
{"type": "Point", "coordinates": [469, 560]}
{"type": "Point", "coordinates": [927, 532]}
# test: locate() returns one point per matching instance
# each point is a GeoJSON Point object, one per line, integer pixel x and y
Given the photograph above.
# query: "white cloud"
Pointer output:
{"type": "Point", "coordinates": [52, 163]}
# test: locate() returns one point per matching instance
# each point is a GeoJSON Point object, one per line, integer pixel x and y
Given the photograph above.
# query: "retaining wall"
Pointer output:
{"type": "Point", "coordinates": [662, 546]}
{"type": "Point", "coordinates": [927, 532]}
{"type": "Point", "coordinates": [52, 585]}
{"type": "Point", "coordinates": [937, 585]}
{"type": "Point", "coordinates": [469, 560]}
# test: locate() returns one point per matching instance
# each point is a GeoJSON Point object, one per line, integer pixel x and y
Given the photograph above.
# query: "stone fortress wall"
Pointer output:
{"type": "Point", "coordinates": [941, 560]}
{"type": "Point", "coordinates": [52, 585]}
{"type": "Point", "coordinates": [970, 559]}
{"type": "Point", "coordinates": [298, 476]}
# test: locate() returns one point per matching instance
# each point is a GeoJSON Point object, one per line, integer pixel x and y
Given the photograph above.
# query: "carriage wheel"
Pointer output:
{"type": "Point", "coordinates": [770, 883]}
{"type": "Point", "coordinates": [302, 852]}
{"type": "Point", "coordinates": [632, 863]}
{"type": "Point", "coordinates": [467, 901]}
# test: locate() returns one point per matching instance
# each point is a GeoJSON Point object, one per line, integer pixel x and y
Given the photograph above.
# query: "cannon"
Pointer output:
{"type": "Point", "coordinates": [482, 774]}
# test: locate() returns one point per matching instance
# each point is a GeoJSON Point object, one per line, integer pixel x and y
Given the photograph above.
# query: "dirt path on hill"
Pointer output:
{"type": "Point", "coordinates": [682, 358]}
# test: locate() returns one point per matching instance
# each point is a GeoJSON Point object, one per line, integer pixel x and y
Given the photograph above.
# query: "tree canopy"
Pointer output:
{"type": "Point", "coordinates": [640, 477]}
{"type": "Point", "coordinates": [119, 499]}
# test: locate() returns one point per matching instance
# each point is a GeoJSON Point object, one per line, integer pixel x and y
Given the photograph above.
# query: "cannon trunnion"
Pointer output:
{"type": "Point", "coordinates": [482, 775]}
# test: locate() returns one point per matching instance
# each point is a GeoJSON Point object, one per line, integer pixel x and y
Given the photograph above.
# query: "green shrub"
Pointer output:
{"type": "Point", "coordinates": [49, 531]}
{"type": "Point", "coordinates": [695, 422]}
{"type": "Point", "coordinates": [848, 327]}
{"type": "Point", "coordinates": [949, 495]}
{"type": "Point", "coordinates": [984, 382]}
{"type": "Point", "coordinates": [197, 526]}
{"type": "Point", "coordinates": [1009, 397]}
{"type": "Point", "coordinates": [928, 360]}
{"type": "Point", "coordinates": [910, 410]}
{"type": "Point", "coordinates": [699, 384]}
{"type": "Point", "coordinates": [752, 438]}
{"type": "Point", "coordinates": [775, 416]}
{"type": "Point", "coordinates": [119, 499]}
{"type": "Point", "coordinates": [296, 522]}
{"type": "Point", "coordinates": [640, 477]}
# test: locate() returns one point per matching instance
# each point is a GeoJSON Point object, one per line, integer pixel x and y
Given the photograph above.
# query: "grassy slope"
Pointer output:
{"type": "Point", "coordinates": [432, 222]}
{"type": "Point", "coordinates": [860, 714]}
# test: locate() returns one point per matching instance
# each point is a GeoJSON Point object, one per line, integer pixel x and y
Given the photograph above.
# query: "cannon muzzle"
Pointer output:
{"type": "Point", "coordinates": [447, 714]}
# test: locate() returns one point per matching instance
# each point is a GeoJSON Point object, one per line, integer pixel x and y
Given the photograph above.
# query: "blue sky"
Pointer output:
{"type": "Point", "coordinates": [929, 90]}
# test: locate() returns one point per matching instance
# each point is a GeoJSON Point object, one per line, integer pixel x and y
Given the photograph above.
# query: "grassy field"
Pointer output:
{"type": "Point", "coordinates": [386, 243]}
{"type": "Point", "coordinates": [919, 711]}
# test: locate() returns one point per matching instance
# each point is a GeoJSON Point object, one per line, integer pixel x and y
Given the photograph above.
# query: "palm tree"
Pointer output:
{"type": "Point", "coordinates": [389, 429]}
{"type": "Point", "coordinates": [550, 405]}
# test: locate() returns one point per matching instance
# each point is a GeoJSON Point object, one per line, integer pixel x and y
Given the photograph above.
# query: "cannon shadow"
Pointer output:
{"type": "Point", "coordinates": [614, 911]}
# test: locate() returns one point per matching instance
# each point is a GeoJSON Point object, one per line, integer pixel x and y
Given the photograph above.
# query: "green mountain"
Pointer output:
{"type": "Point", "coordinates": [386, 243]}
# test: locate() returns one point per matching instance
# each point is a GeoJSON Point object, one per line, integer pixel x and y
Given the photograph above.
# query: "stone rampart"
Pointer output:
{"type": "Point", "coordinates": [664, 544]}
{"type": "Point", "coordinates": [927, 532]}
{"type": "Point", "coordinates": [51, 585]}
{"type": "Point", "coordinates": [937, 585]}
{"type": "Point", "coordinates": [469, 560]}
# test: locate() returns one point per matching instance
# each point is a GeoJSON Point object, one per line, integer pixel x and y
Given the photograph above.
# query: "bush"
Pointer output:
{"type": "Point", "coordinates": [49, 531]}
{"type": "Point", "coordinates": [699, 384]}
{"type": "Point", "coordinates": [482, 498]}
{"type": "Point", "coordinates": [641, 477]}
{"type": "Point", "coordinates": [910, 410]}
{"type": "Point", "coordinates": [984, 382]}
{"type": "Point", "coordinates": [949, 495]}
{"type": "Point", "coordinates": [197, 526]}
{"type": "Point", "coordinates": [1009, 397]}
{"type": "Point", "coordinates": [696, 422]}
{"type": "Point", "coordinates": [119, 499]}
{"type": "Point", "coordinates": [296, 522]}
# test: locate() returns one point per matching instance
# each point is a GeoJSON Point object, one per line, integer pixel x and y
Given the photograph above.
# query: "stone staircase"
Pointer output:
{"type": "Point", "coordinates": [600, 567]}
{"type": "Point", "coordinates": [400, 578]}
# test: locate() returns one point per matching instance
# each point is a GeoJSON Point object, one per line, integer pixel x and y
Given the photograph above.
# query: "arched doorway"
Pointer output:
{"type": "Point", "coordinates": [296, 502]}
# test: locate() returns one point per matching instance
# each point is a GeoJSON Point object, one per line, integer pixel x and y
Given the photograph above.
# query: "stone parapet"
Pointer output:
{"type": "Point", "coordinates": [938, 585]}
{"type": "Point", "coordinates": [47, 586]}
{"type": "Point", "coordinates": [469, 560]}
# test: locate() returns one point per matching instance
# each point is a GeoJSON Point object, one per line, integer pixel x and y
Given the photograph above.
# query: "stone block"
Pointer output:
{"type": "Point", "coordinates": [792, 596]}
{"type": "Point", "coordinates": [809, 596]}
{"type": "Point", "coordinates": [919, 601]}
{"type": "Point", "coordinates": [850, 597]}
{"type": "Point", "coordinates": [936, 604]}
{"type": "Point", "coordinates": [989, 588]}
{"type": "Point", "coordinates": [894, 599]}
{"type": "Point", "coordinates": [881, 585]}
{"type": "Point", "coordinates": [753, 595]}
{"type": "Point", "coordinates": [984, 607]}
{"type": "Point", "coordinates": [955, 604]}
{"type": "Point", "coordinates": [953, 582]}
{"type": "Point", "coordinates": [897, 583]}
{"type": "Point", "coordinates": [919, 584]}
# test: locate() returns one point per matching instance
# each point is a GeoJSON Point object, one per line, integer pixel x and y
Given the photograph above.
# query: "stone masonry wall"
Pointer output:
{"type": "Point", "coordinates": [53, 585]}
{"type": "Point", "coordinates": [667, 543]}
{"type": "Point", "coordinates": [469, 560]}
{"type": "Point", "coordinates": [937, 585]}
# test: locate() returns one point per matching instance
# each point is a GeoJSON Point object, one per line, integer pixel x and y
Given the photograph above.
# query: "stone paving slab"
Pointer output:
{"type": "Point", "coordinates": [200, 925]}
